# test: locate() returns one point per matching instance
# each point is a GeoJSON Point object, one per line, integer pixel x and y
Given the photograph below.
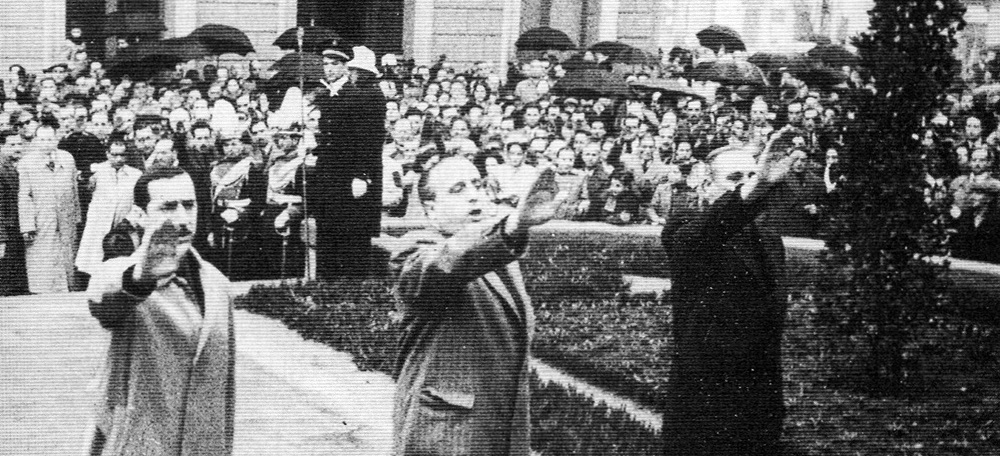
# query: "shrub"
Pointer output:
{"type": "Point", "coordinates": [356, 316]}
{"type": "Point", "coordinates": [883, 231]}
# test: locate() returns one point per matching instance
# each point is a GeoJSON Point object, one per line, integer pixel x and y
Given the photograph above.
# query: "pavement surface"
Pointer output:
{"type": "Point", "coordinates": [294, 397]}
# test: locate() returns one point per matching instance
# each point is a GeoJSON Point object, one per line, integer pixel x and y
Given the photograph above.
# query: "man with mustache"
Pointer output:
{"type": "Point", "coordinates": [169, 385]}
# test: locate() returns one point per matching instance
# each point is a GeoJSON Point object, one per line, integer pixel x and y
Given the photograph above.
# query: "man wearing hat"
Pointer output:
{"type": "Point", "coordinates": [335, 68]}
{"type": "Point", "coordinates": [349, 170]}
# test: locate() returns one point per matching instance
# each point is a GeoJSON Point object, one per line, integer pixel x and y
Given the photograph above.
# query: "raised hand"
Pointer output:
{"type": "Point", "coordinates": [539, 206]}
{"type": "Point", "coordinates": [158, 253]}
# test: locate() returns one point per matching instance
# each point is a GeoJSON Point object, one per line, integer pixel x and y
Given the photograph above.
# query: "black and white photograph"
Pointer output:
{"type": "Point", "coordinates": [499, 227]}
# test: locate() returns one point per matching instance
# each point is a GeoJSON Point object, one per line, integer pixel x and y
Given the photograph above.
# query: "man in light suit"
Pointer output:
{"type": "Point", "coordinates": [169, 380]}
{"type": "Point", "coordinates": [724, 393]}
{"type": "Point", "coordinates": [49, 213]}
{"type": "Point", "coordinates": [462, 371]}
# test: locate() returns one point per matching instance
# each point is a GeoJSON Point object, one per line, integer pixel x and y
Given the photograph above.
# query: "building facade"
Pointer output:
{"type": "Point", "coordinates": [464, 30]}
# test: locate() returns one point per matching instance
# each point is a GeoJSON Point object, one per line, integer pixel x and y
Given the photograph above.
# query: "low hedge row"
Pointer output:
{"type": "Point", "coordinates": [356, 316]}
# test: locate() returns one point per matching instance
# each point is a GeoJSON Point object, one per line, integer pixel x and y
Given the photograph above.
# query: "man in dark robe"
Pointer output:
{"type": "Point", "coordinates": [724, 394]}
{"type": "Point", "coordinates": [347, 189]}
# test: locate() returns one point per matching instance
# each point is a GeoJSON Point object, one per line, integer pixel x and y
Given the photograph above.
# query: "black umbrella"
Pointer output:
{"type": "Point", "coordinates": [833, 55]}
{"type": "Point", "coordinates": [815, 73]}
{"type": "Point", "coordinates": [591, 83]}
{"type": "Point", "coordinates": [146, 59]}
{"type": "Point", "coordinates": [730, 72]}
{"type": "Point", "coordinates": [120, 23]}
{"type": "Point", "coordinates": [770, 62]}
{"type": "Point", "coordinates": [223, 39]}
{"type": "Point", "coordinates": [609, 48]}
{"type": "Point", "coordinates": [668, 87]}
{"type": "Point", "coordinates": [632, 56]}
{"type": "Point", "coordinates": [307, 64]}
{"type": "Point", "coordinates": [544, 39]}
{"type": "Point", "coordinates": [577, 62]}
{"type": "Point", "coordinates": [819, 39]}
{"type": "Point", "coordinates": [315, 39]}
{"type": "Point", "coordinates": [716, 37]}
{"type": "Point", "coordinates": [279, 83]}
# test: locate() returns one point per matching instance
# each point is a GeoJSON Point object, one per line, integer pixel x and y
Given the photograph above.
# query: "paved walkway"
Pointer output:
{"type": "Point", "coordinates": [293, 396]}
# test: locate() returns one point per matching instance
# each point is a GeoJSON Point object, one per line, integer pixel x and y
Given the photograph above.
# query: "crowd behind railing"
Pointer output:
{"type": "Point", "coordinates": [76, 140]}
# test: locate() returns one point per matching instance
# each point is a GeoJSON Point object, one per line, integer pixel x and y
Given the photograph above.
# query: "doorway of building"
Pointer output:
{"type": "Point", "coordinates": [88, 15]}
{"type": "Point", "coordinates": [377, 24]}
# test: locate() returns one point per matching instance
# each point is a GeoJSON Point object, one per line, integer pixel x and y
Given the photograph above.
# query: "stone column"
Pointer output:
{"type": "Point", "coordinates": [180, 17]}
{"type": "Point", "coordinates": [32, 35]}
{"type": "Point", "coordinates": [510, 29]}
{"type": "Point", "coordinates": [418, 31]}
{"type": "Point", "coordinates": [607, 24]}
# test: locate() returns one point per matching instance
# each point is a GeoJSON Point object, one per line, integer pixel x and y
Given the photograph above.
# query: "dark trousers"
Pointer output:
{"type": "Point", "coordinates": [13, 272]}
{"type": "Point", "coordinates": [343, 255]}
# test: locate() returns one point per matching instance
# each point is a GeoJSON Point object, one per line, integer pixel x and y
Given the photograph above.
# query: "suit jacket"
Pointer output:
{"type": "Point", "coordinates": [982, 242]}
{"type": "Point", "coordinates": [786, 213]}
{"type": "Point", "coordinates": [724, 394]}
{"type": "Point", "coordinates": [462, 371]}
{"type": "Point", "coordinates": [169, 377]}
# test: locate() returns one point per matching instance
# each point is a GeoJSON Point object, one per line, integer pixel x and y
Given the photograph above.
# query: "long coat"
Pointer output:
{"type": "Point", "coordinates": [462, 371]}
{"type": "Point", "coordinates": [350, 147]}
{"type": "Point", "coordinates": [12, 275]}
{"type": "Point", "coordinates": [724, 392]}
{"type": "Point", "coordinates": [169, 376]}
{"type": "Point", "coordinates": [48, 204]}
{"type": "Point", "coordinates": [111, 202]}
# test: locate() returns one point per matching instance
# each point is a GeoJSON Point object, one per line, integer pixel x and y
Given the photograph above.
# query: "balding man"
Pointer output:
{"type": "Point", "coordinates": [724, 394]}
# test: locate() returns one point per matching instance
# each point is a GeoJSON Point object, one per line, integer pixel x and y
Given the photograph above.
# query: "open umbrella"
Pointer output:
{"type": "Point", "coordinates": [146, 59]}
{"type": "Point", "coordinates": [315, 39]}
{"type": "Point", "coordinates": [632, 56]}
{"type": "Point", "coordinates": [609, 48]}
{"type": "Point", "coordinates": [668, 87]}
{"type": "Point", "coordinates": [120, 23]}
{"type": "Point", "coordinates": [769, 62]}
{"type": "Point", "coordinates": [307, 64]}
{"type": "Point", "coordinates": [544, 39]}
{"type": "Point", "coordinates": [729, 72]}
{"type": "Point", "coordinates": [821, 40]}
{"type": "Point", "coordinates": [716, 37]}
{"type": "Point", "coordinates": [577, 62]}
{"type": "Point", "coordinates": [223, 39]}
{"type": "Point", "coordinates": [815, 73]}
{"type": "Point", "coordinates": [833, 55]}
{"type": "Point", "coordinates": [591, 83]}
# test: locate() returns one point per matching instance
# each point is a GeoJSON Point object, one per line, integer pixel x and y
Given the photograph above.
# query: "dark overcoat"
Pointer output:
{"type": "Point", "coordinates": [351, 127]}
{"type": "Point", "coordinates": [462, 373]}
{"type": "Point", "coordinates": [724, 392]}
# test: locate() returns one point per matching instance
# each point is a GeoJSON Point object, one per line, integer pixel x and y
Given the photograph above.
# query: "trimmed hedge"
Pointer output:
{"type": "Point", "coordinates": [356, 316]}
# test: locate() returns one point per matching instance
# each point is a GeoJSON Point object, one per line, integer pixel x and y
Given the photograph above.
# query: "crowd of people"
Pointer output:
{"type": "Point", "coordinates": [85, 138]}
